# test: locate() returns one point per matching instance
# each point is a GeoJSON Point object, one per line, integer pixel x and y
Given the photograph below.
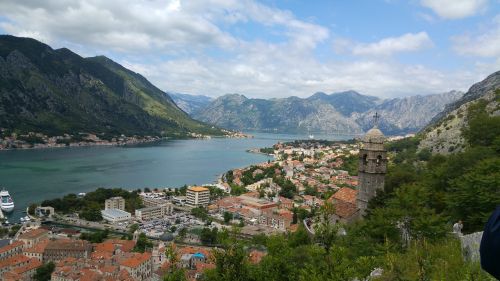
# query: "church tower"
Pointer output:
{"type": "Point", "coordinates": [372, 166]}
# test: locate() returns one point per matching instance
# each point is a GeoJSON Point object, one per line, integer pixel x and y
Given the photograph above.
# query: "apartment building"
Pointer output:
{"type": "Point", "coordinates": [155, 212]}
{"type": "Point", "coordinates": [198, 196]}
{"type": "Point", "coordinates": [115, 203]}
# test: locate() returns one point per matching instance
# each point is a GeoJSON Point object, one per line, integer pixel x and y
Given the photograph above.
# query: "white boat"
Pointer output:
{"type": "Point", "coordinates": [6, 202]}
{"type": "Point", "coordinates": [21, 219]}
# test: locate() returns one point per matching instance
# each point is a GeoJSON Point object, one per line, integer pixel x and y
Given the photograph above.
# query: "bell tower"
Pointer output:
{"type": "Point", "coordinates": [372, 166]}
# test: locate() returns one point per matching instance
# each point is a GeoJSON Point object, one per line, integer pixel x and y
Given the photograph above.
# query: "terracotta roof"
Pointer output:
{"type": "Point", "coordinates": [38, 248]}
{"type": "Point", "coordinates": [136, 260]}
{"type": "Point", "coordinates": [345, 194]}
{"type": "Point", "coordinates": [198, 188]}
{"type": "Point", "coordinates": [35, 233]}
{"type": "Point", "coordinates": [11, 276]}
{"type": "Point", "coordinates": [33, 263]}
{"type": "Point", "coordinates": [11, 246]}
{"type": "Point", "coordinates": [68, 245]}
{"type": "Point", "coordinates": [345, 209]}
{"type": "Point", "coordinates": [14, 260]}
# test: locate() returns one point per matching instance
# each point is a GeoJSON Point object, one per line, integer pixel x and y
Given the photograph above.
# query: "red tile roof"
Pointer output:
{"type": "Point", "coordinates": [14, 260]}
{"type": "Point", "coordinates": [38, 248]}
{"type": "Point", "coordinates": [345, 194]}
{"type": "Point", "coordinates": [345, 209]}
{"type": "Point", "coordinates": [136, 260]}
{"type": "Point", "coordinates": [9, 247]}
{"type": "Point", "coordinates": [32, 234]}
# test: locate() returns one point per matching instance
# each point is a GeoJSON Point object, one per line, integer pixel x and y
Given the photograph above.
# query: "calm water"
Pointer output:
{"type": "Point", "coordinates": [35, 175]}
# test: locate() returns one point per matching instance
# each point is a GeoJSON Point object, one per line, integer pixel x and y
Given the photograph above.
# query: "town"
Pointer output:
{"type": "Point", "coordinates": [129, 236]}
{"type": "Point", "coordinates": [12, 140]}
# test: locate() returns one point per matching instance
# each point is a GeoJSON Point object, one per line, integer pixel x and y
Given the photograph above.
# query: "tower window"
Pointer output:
{"type": "Point", "coordinates": [379, 160]}
{"type": "Point", "coordinates": [365, 159]}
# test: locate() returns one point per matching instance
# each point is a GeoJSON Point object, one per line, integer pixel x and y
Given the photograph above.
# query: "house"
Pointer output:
{"type": "Point", "coordinates": [10, 250]}
{"type": "Point", "coordinates": [139, 266]}
{"type": "Point", "coordinates": [344, 202]}
{"type": "Point", "coordinates": [32, 237]}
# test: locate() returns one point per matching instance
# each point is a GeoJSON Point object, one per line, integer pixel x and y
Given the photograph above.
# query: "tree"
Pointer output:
{"type": "Point", "coordinates": [32, 208]}
{"type": "Point", "coordinates": [43, 273]}
{"type": "Point", "coordinates": [474, 195]}
{"type": "Point", "coordinates": [230, 265]}
{"type": "Point", "coordinates": [142, 243]}
{"type": "Point", "coordinates": [227, 217]}
{"type": "Point", "coordinates": [208, 236]}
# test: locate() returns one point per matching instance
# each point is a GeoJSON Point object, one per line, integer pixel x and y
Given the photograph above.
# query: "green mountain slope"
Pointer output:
{"type": "Point", "coordinates": [58, 91]}
{"type": "Point", "coordinates": [444, 133]}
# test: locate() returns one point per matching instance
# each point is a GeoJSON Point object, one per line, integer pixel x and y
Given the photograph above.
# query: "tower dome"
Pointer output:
{"type": "Point", "coordinates": [374, 135]}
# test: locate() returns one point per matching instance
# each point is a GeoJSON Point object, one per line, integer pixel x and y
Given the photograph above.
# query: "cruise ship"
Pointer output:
{"type": "Point", "coordinates": [6, 202]}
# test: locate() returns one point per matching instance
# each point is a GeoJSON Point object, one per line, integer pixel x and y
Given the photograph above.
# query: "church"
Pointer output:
{"type": "Point", "coordinates": [351, 204]}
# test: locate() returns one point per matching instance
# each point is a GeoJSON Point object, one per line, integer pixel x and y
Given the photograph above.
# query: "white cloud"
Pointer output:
{"type": "Point", "coordinates": [485, 45]}
{"type": "Point", "coordinates": [408, 42]}
{"type": "Point", "coordinates": [186, 46]}
{"type": "Point", "coordinates": [455, 9]}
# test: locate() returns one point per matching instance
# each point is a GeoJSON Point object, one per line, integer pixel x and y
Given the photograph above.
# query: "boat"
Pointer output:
{"type": "Point", "coordinates": [6, 202]}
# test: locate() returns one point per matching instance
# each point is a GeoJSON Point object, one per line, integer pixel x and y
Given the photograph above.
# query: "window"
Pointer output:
{"type": "Point", "coordinates": [379, 160]}
{"type": "Point", "coordinates": [365, 159]}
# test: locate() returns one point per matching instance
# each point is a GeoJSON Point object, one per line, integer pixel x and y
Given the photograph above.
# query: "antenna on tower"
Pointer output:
{"type": "Point", "coordinates": [376, 118]}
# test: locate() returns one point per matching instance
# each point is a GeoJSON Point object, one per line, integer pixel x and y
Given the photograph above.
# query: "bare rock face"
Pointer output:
{"type": "Point", "coordinates": [444, 133]}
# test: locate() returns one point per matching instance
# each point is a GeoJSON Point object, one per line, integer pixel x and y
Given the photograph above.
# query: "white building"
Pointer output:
{"type": "Point", "coordinates": [197, 196]}
{"type": "Point", "coordinates": [115, 203]}
{"type": "Point", "coordinates": [115, 215]}
{"type": "Point", "coordinates": [155, 212]}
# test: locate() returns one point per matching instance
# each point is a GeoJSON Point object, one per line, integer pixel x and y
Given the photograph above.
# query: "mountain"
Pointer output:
{"type": "Point", "coordinates": [345, 112]}
{"type": "Point", "coordinates": [408, 114]}
{"type": "Point", "coordinates": [190, 103]}
{"type": "Point", "coordinates": [444, 134]}
{"type": "Point", "coordinates": [57, 91]}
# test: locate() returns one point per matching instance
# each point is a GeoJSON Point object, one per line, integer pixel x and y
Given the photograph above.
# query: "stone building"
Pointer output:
{"type": "Point", "coordinates": [372, 167]}
{"type": "Point", "coordinates": [60, 249]}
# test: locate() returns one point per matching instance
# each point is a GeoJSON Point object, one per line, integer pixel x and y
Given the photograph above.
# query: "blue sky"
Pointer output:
{"type": "Point", "coordinates": [385, 48]}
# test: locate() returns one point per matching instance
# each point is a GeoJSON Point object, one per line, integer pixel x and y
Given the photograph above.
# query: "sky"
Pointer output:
{"type": "Point", "coordinates": [276, 48]}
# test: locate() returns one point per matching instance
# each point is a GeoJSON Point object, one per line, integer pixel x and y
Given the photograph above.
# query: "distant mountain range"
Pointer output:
{"type": "Point", "coordinates": [57, 91]}
{"type": "Point", "coordinates": [346, 112]}
{"type": "Point", "coordinates": [190, 103]}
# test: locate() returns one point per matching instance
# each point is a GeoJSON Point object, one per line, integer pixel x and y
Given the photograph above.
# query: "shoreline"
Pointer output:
{"type": "Point", "coordinates": [115, 144]}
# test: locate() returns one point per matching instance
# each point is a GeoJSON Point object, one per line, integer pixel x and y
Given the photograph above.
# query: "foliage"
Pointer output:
{"type": "Point", "coordinates": [227, 217]}
{"type": "Point", "coordinates": [142, 243]}
{"type": "Point", "coordinates": [350, 164]}
{"type": "Point", "coordinates": [43, 273]}
{"type": "Point", "coordinates": [95, 237]}
{"type": "Point", "coordinates": [94, 201]}
{"type": "Point", "coordinates": [13, 230]}
{"type": "Point", "coordinates": [209, 236]}
{"type": "Point", "coordinates": [200, 213]}
{"type": "Point", "coordinates": [32, 209]}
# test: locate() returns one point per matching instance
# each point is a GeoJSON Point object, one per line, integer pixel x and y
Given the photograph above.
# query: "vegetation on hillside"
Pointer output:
{"type": "Point", "coordinates": [57, 91]}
